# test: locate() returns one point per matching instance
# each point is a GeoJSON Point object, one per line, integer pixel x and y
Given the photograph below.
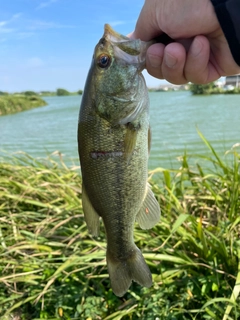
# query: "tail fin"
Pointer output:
{"type": "Point", "coordinates": [122, 272]}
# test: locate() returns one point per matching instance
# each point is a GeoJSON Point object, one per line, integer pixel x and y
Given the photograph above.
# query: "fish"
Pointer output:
{"type": "Point", "coordinates": [114, 140]}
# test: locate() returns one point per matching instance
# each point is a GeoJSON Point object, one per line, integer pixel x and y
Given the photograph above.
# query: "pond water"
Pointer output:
{"type": "Point", "coordinates": [174, 117]}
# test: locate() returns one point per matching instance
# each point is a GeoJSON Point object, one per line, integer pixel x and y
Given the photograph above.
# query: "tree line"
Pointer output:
{"type": "Point", "coordinates": [210, 88]}
{"type": "Point", "coordinates": [58, 92]}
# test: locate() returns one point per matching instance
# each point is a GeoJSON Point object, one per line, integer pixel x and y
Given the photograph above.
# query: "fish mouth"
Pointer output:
{"type": "Point", "coordinates": [130, 46]}
{"type": "Point", "coordinates": [131, 51]}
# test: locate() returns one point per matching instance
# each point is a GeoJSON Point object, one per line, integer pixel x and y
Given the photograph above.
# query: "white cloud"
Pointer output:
{"type": "Point", "coordinates": [44, 25]}
{"type": "Point", "coordinates": [3, 24]}
{"type": "Point", "coordinates": [16, 16]}
{"type": "Point", "coordinates": [45, 4]}
{"type": "Point", "coordinates": [117, 23]}
{"type": "Point", "coordinates": [16, 28]}
{"type": "Point", "coordinates": [35, 62]}
{"type": "Point", "coordinates": [24, 35]}
{"type": "Point", "coordinates": [13, 17]}
{"type": "Point", "coordinates": [6, 30]}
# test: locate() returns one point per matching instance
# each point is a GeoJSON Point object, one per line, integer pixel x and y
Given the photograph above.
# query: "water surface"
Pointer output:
{"type": "Point", "coordinates": [174, 118]}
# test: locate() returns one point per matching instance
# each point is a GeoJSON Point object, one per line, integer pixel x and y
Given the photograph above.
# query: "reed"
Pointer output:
{"type": "Point", "coordinates": [15, 103]}
{"type": "Point", "coordinates": [51, 268]}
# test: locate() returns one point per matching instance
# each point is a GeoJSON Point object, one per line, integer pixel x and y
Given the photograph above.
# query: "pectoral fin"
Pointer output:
{"type": "Point", "coordinates": [90, 215]}
{"type": "Point", "coordinates": [149, 214]}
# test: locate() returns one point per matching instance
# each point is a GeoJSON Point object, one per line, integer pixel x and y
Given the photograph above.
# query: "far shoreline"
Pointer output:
{"type": "Point", "coordinates": [10, 104]}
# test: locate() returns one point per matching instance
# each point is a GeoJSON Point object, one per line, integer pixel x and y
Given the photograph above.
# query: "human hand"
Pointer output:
{"type": "Point", "coordinates": [200, 51]}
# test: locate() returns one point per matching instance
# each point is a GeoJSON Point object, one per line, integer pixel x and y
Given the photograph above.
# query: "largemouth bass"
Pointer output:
{"type": "Point", "coordinates": [114, 143]}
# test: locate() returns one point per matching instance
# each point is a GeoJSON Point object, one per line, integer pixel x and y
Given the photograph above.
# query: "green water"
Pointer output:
{"type": "Point", "coordinates": [174, 118]}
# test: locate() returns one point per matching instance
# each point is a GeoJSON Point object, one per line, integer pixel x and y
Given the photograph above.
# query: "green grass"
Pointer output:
{"type": "Point", "coordinates": [51, 268]}
{"type": "Point", "coordinates": [15, 103]}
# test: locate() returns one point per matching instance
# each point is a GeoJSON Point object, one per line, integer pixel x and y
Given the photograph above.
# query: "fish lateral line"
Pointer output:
{"type": "Point", "coordinates": [105, 154]}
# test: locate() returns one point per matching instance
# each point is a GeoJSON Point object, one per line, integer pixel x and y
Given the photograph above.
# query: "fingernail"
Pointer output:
{"type": "Point", "coordinates": [170, 60]}
{"type": "Point", "coordinates": [155, 61]}
{"type": "Point", "coordinates": [196, 47]}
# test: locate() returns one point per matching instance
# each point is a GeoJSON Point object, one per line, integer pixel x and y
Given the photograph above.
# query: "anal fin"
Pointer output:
{"type": "Point", "coordinates": [90, 215]}
{"type": "Point", "coordinates": [150, 212]}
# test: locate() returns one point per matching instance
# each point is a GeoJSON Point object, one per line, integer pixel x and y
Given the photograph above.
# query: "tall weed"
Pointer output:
{"type": "Point", "coordinates": [51, 268]}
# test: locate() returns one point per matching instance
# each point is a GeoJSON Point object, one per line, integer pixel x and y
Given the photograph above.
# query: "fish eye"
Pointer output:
{"type": "Point", "coordinates": [104, 61]}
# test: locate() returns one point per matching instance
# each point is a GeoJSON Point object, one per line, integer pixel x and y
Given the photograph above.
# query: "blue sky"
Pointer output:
{"type": "Point", "coordinates": [48, 44]}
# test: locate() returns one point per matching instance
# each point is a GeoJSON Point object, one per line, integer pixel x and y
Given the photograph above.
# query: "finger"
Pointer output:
{"type": "Point", "coordinates": [131, 35]}
{"type": "Point", "coordinates": [198, 68]}
{"type": "Point", "coordinates": [147, 26]}
{"type": "Point", "coordinates": [173, 63]}
{"type": "Point", "coordinates": [154, 60]}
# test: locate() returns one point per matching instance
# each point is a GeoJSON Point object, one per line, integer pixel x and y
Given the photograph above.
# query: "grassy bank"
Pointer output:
{"type": "Point", "coordinates": [50, 268]}
{"type": "Point", "coordinates": [15, 103]}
